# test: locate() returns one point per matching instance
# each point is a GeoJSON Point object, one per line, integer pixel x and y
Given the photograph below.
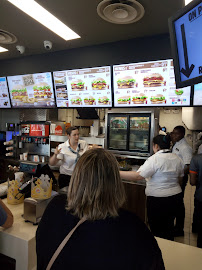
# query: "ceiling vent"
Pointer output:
{"type": "Point", "coordinates": [120, 11]}
{"type": "Point", "coordinates": [6, 37]}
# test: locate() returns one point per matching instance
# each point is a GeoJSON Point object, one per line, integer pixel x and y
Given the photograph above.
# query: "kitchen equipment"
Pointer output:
{"type": "Point", "coordinates": [34, 209]}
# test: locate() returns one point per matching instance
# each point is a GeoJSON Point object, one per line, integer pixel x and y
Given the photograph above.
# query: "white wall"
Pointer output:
{"type": "Point", "coordinates": [169, 118]}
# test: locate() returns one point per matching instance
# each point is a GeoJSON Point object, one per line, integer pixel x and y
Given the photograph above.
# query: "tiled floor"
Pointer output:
{"type": "Point", "coordinates": [189, 238]}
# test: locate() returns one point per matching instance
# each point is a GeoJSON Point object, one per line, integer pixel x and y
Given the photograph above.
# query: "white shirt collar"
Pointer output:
{"type": "Point", "coordinates": [180, 141]}
{"type": "Point", "coordinates": [163, 151]}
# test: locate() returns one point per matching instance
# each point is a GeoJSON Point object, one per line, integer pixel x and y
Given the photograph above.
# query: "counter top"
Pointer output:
{"type": "Point", "coordinates": [180, 256]}
{"type": "Point", "coordinates": [18, 242]}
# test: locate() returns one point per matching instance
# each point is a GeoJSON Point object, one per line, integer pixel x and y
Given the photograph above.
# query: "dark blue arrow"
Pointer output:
{"type": "Point", "coordinates": [188, 70]}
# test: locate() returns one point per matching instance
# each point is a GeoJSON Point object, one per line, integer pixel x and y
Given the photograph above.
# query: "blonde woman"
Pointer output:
{"type": "Point", "coordinates": [110, 237]}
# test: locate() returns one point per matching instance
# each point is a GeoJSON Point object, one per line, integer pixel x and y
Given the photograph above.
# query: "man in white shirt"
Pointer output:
{"type": "Point", "coordinates": [184, 151]}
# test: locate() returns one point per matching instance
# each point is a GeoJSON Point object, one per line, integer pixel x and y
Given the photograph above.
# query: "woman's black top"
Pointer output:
{"type": "Point", "coordinates": [117, 243]}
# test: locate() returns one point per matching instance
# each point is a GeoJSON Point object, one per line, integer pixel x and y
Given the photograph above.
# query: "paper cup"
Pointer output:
{"type": "Point", "coordinates": [21, 156]}
{"type": "Point", "coordinates": [25, 156]}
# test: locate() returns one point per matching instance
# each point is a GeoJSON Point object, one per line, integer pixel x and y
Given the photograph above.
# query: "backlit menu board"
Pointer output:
{"type": "Point", "coordinates": [89, 87]}
{"type": "Point", "coordinates": [4, 96]}
{"type": "Point", "coordinates": [31, 90]}
{"type": "Point", "coordinates": [148, 84]}
{"type": "Point", "coordinates": [197, 100]}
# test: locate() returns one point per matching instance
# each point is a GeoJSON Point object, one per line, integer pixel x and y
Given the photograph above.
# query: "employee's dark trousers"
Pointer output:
{"type": "Point", "coordinates": [180, 216]}
{"type": "Point", "coordinates": [198, 221]}
{"type": "Point", "coordinates": [161, 212]}
{"type": "Point", "coordinates": [63, 180]}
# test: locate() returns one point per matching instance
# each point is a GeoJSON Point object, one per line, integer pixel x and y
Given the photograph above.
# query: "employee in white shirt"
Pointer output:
{"type": "Point", "coordinates": [184, 151]}
{"type": "Point", "coordinates": [68, 153]}
{"type": "Point", "coordinates": [163, 172]}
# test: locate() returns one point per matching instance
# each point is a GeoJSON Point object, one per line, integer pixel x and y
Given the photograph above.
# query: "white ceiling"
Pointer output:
{"type": "Point", "coordinates": [81, 16]}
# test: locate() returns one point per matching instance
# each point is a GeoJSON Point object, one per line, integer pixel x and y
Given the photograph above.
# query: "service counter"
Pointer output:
{"type": "Point", "coordinates": [18, 242]}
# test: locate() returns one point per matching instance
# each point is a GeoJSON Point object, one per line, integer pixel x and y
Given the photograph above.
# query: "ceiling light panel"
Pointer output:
{"type": "Point", "coordinates": [3, 49]}
{"type": "Point", "coordinates": [40, 14]}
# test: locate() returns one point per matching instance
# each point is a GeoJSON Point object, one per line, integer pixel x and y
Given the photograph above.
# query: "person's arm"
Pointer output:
{"type": "Point", "coordinates": [53, 159]}
{"type": "Point", "coordinates": [193, 178]}
{"type": "Point", "coordinates": [131, 175]}
{"type": "Point", "coordinates": [186, 169]}
{"type": "Point", "coordinates": [9, 220]}
{"type": "Point", "coordinates": [180, 180]}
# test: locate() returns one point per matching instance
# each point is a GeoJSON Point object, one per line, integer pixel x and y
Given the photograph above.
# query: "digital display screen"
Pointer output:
{"type": "Point", "coordinates": [31, 90]}
{"type": "Point", "coordinates": [4, 96]}
{"type": "Point", "coordinates": [89, 87]}
{"type": "Point", "coordinates": [148, 84]}
{"type": "Point", "coordinates": [197, 100]}
{"type": "Point", "coordinates": [189, 43]}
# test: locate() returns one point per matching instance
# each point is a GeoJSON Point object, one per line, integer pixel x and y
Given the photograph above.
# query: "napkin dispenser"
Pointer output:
{"type": "Point", "coordinates": [34, 209]}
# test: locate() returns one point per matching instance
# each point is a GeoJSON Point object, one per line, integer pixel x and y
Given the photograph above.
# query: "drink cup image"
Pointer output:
{"type": "Point", "coordinates": [25, 156]}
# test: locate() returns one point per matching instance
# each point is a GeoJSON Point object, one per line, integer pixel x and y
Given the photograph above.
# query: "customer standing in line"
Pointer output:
{"type": "Point", "coordinates": [68, 154]}
{"type": "Point", "coordinates": [184, 151]}
{"type": "Point", "coordinates": [195, 172]}
{"type": "Point", "coordinates": [163, 171]}
{"type": "Point", "coordinates": [6, 217]}
{"type": "Point", "coordinates": [109, 237]}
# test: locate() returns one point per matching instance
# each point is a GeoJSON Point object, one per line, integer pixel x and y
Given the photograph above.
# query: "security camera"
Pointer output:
{"type": "Point", "coordinates": [21, 49]}
{"type": "Point", "coordinates": [47, 45]}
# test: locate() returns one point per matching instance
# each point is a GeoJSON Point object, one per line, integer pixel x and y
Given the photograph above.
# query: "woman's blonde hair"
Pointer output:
{"type": "Point", "coordinates": [96, 190]}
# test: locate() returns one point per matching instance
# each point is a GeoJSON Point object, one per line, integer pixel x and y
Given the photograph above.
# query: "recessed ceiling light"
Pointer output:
{"type": "Point", "coordinates": [40, 14]}
{"type": "Point", "coordinates": [3, 49]}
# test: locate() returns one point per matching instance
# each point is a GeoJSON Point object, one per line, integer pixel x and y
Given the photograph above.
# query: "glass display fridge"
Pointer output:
{"type": "Point", "coordinates": [130, 133]}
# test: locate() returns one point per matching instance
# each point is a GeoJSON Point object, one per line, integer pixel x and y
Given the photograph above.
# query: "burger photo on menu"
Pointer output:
{"type": "Point", "coordinates": [99, 84]}
{"type": "Point", "coordinates": [124, 100]}
{"type": "Point", "coordinates": [103, 100]}
{"type": "Point", "coordinates": [19, 92]}
{"type": "Point", "coordinates": [153, 80]}
{"type": "Point", "coordinates": [179, 92]}
{"type": "Point", "coordinates": [76, 101]}
{"type": "Point", "coordinates": [158, 99]}
{"type": "Point", "coordinates": [139, 98]}
{"type": "Point", "coordinates": [60, 80]}
{"type": "Point", "coordinates": [77, 85]}
{"type": "Point", "coordinates": [42, 90]}
{"type": "Point", "coordinates": [126, 82]}
{"type": "Point", "coordinates": [89, 100]}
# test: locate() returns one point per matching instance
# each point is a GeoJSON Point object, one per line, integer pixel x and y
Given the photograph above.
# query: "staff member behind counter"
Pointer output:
{"type": "Point", "coordinates": [163, 172]}
{"type": "Point", "coordinates": [68, 153]}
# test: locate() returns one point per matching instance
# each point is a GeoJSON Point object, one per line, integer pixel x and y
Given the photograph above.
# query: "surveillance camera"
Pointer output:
{"type": "Point", "coordinates": [47, 44]}
{"type": "Point", "coordinates": [21, 49]}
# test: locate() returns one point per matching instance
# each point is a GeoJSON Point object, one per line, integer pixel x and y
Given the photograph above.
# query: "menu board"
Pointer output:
{"type": "Point", "coordinates": [197, 100]}
{"type": "Point", "coordinates": [89, 87]}
{"type": "Point", "coordinates": [4, 96]}
{"type": "Point", "coordinates": [31, 90]}
{"type": "Point", "coordinates": [148, 84]}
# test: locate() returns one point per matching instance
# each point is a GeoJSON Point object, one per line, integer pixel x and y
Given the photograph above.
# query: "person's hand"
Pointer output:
{"type": "Point", "coordinates": [57, 151]}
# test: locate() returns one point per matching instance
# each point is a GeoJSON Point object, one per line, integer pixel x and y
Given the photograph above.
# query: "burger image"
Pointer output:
{"type": "Point", "coordinates": [19, 92]}
{"type": "Point", "coordinates": [126, 82]}
{"type": "Point", "coordinates": [76, 101]}
{"type": "Point", "coordinates": [42, 90]}
{"type": "Point", "coordinates": [139, 99]}
{"type": "Point", "coordinates": [124, 100]}
{"type": "Point", "coordinates": [153, 80]}
{"type": "Point", "coordinates": [99, 84]}
{"type": "Point", "coordinates": [89, 101]}
{"type": "Point", "coordinates": [157, 99]}
{"type": "Point", "coordinates": [103, 100]}
{"type": "Point", "coordinates": [77, 85]}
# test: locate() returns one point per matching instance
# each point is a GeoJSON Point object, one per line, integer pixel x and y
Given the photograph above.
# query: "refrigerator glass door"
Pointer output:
{"type": "Point", "coordinates": [117, 132]}
{"type": "Point", "coordinates": [139, 134]}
